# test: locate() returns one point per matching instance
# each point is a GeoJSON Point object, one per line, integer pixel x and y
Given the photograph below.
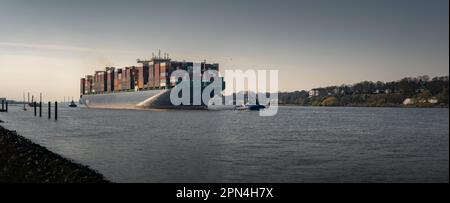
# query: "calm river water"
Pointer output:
{"type": "Point", "coordinates": [300, 144]}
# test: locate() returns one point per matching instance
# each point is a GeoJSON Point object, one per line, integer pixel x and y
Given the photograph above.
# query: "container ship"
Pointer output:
{"type": "Point", "coordinates": [147, 85]}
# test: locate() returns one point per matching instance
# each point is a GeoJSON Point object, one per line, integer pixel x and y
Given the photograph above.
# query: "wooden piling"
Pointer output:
{"type": "Point", "coordinates": [6, 110]}
{"type": "Point", "coordinates": [49, 110]}
{"type": "Point", "coordinates": [40, 109]}
{"type": "Point", "coordinates": [35, 110]}
{"type": "Point", "coordinates": [56, 111]}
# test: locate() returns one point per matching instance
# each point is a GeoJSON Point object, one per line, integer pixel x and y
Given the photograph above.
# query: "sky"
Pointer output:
{"type": "Point", "coordinates": [48, 45]}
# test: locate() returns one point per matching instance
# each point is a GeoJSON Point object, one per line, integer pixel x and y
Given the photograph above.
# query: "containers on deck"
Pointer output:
{"type": "Point", "coordinates": [88, 85]}
{"type": "Point", "coordinates": [82, 86]}
{"type": "Point", "coordinates": [129, 78]}
{"type": "Point", "coordinates": [110, 79]}
{"type": "Point", "coordinates": [100, 82]}
{"type": "Point", "coordinates": [163, 74]}
{"type": "Point", "coordinates": [140, 76]}
{"type": "Point", "coordinates": [118, 80]}
{"type": "Point", "coordinates": [156, 76]}
{"type": "Point", "coordinates": [153, 74]}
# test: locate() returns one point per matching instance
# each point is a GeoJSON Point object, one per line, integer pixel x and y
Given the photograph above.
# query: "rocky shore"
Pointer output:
{"type": "Point", "coordinates": [22, 161]}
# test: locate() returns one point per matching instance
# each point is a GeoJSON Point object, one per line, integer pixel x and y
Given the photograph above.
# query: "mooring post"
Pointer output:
{"type": "Point", "coordinates": [3, 105]}
{"type": "Point", "coordinates": [56, 111]}
{"type": "Point", "coordinates": [6, 106]}
{"type": "Point", "coordinates": [35, 106]}
{"type": "Point", "coordinates": [40, 109]}
{"type": "Point", "coordinates": [49, 110]}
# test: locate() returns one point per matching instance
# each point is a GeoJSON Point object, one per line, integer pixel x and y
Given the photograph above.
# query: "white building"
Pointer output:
{"type": "Point", "coordinates": [409, 101]}
{"type": "Point", "coordinates": [433, 100]}
{"type": "Point", "coordinates": [314, 93]}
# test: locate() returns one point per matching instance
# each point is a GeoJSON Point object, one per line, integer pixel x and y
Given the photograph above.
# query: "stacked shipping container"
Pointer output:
{"type": "Point", "coordinates": [140, 76]}
{"type": "Point", "coordinates": [110, 79]}
{"type": "Point", "coordinates": [173, 67]}
{"type": "Point", "coordinates": [82, 86]}
{"type": "Point", "coordinates": [96, 82]}
{"type": "Point", "coordinates": [124, 79]}
{"type": "Point", "coordinates": [100, 82]}
{"type": "Point", "coordinates": [162, 75]}
{"type": "Point", "coordinates": [128, 80]}
{"type": "Point", "coordinates": [156, 76]}
{"type": "Point", "coordinates": [133, 78]}
{"type": "Point", "coordinates": [118, 80]}
{"type": "Point", "coordinates": [152, 75]}
{"type": "Point", "coordinates": [89, 84]}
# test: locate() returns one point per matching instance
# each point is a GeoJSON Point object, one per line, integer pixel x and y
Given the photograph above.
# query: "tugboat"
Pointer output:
{"type": "Point", "coordinates": [256, 107]}
{"type": "Point", "coordinates": [252, 107]}
{"type": "Point", "coordinates": [72, 104]}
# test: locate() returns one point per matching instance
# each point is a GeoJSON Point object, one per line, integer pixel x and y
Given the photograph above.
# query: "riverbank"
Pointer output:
{"type": "Point", "coordinates": [22, 161]}
{"type": "Point", "coordinates": [375, 106]}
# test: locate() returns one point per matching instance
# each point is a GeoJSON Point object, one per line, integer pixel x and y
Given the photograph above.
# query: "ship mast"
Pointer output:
{"type": "Point", "coordinates": [24, 107]}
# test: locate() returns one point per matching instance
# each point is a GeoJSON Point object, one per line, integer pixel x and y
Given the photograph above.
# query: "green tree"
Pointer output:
{"type": "Point", "coordinates": [330, 101]}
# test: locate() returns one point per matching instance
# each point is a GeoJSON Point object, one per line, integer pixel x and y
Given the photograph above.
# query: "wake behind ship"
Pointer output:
{"type": "Point", "coordinates": [147, 85]}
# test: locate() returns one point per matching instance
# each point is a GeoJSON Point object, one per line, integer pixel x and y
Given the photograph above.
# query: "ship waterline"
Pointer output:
{"type": "Point", "coordinates": [155, 99]}
{"type": "Point", "coordinates": [118, 99]}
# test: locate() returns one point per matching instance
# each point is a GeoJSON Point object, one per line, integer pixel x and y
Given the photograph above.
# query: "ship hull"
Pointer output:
{"type": "Point", "coordinates": [158, 99]}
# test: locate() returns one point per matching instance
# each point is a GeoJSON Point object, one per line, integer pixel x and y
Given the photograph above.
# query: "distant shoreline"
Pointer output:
{"type": "Point", "coordinates": [22, 161]}
{"type": "Point", "coordinates": [368, 106]}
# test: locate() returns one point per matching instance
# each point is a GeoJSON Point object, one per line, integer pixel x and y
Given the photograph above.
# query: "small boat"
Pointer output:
{"type": "Point", "coordinates": [256, 107]}
{"type": "Point", "coordinates": [32, 103]}
{"type": "Point", "coordinates": [72, 104]}
{"type": "Point", "coordinates": [242, 107]}
{"type": "Point", "coordinates": [251, 107]}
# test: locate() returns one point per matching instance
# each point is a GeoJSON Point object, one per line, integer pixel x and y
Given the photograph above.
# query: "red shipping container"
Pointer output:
{"type": "Point", "coordinates": [162, 75]}
{"type": "Point", "coordinates": [140, 76]}
{"type": "Point", "coordinates": [156, 81]}
{"type": "Point", "coordinates": [151, 76]}
{"type": "Point", "coordinates": [82, 86]}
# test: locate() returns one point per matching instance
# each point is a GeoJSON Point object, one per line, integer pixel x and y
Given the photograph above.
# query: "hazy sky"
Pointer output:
{"type": "Point", "coordinates": [47, 45]}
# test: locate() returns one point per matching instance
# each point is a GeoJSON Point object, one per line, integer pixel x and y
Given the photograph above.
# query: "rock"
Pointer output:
{"type": "Point", "coordinates": [25, 161]}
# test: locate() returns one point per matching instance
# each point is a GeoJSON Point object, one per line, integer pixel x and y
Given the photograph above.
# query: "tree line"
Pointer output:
{"type": "Point", "coordinates": [410, 91]}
